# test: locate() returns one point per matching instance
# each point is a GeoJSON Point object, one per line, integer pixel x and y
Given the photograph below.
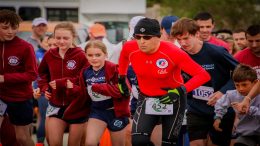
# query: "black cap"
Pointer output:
{"type": "Point", "coordinates": [147, 26]}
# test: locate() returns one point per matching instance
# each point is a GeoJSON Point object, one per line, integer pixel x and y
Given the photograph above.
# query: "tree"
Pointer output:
{"type": "Point", "coordinates": [229, 14]}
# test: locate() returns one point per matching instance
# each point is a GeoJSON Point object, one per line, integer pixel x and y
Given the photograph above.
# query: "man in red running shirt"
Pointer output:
{"type": "Point", "coordinates": [158, 66]}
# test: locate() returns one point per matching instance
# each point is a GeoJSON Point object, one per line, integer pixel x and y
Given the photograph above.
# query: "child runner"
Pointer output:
{"type": "Point", "coordinates": [58, 69]}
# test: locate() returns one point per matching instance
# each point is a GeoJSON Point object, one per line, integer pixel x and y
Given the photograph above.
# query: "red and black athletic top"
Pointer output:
{"type": "Point", "coordinates": [161, 69]}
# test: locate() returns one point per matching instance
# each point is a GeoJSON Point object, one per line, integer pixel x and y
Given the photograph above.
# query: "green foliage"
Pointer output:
{"type": "Point", "coordinates": [230, 14]}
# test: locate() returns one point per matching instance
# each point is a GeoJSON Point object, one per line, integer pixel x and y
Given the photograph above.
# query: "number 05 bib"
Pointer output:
{"type": "Point", "coordinates": [154, 107]}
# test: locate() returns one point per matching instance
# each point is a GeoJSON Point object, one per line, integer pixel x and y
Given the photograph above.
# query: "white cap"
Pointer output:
{"type": "Point", "coordinates": [38, 21]}
{"type": "Point", "coordinates": [132, 24]}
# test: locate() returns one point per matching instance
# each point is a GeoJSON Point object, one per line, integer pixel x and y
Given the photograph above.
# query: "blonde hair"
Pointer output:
{"type": "Point", "coordinates": [67, 26]}
{"type": "Point", "coordinates": [96, 44]}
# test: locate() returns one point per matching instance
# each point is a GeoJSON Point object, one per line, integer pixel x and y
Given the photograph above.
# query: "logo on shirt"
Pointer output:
{"type": "Point", "coordinates": [95, 80]}
{"type": "Point", "coordinates": [13, 60]}
{"type": "Point", "coordinates": [118, 123]}
{"type": "Point", "coordinates": [71, 64]}
{"type": "Point", "coordinates": [208, 66]}
{"type": "Point", "coordinates": [161, 63]}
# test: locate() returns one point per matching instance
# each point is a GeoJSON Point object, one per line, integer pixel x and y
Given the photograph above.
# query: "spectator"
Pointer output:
{"type": "Point", "coordinates": [39, 28]}
{"type": "Point", "coordinates": [118, 47]}
{"type": "Point", "coordinates": [97, 31]}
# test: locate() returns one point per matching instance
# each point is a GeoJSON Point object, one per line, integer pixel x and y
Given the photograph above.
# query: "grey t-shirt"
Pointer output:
{"type": "Point", "coordinates": [34, 43]}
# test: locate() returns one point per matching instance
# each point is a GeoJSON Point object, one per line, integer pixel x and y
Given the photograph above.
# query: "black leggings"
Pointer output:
{"type": "Point", "coordinates": [144, 124]}
{"type": "Point", "coordinates": [240, 144]}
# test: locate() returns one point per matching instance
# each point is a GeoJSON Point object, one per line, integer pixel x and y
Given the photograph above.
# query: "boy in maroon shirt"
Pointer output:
{"type": "Point", "coordinates": [17, 71]}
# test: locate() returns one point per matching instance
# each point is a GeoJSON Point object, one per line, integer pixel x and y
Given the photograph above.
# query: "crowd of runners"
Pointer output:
{"type": "Point", "coordinates": [171, 83]}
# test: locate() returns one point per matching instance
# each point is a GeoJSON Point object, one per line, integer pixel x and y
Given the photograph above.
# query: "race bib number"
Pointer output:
{"type": "Point", "coordinates": [202, 92]}
{"type": "Point", "coordinates": [96, 96]}
{"type": "Point", "coordinates": [3, 107]}
{"type": "Point", "coordinates": [154, 107]}
{"type": "Point", "coordinates": [52, 110]}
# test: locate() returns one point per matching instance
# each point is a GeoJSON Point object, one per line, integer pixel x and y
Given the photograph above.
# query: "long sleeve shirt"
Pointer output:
{"type": "Point", "coordinates": [161, 69]}
{"type": "Point", "coordinates": [249, 123]}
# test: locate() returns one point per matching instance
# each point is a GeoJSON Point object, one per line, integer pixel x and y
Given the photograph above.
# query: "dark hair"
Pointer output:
{"type": "Point", "coordinates": [10, 17]}
{"type": "Point", "coordinates": [253, 30]}
{"type": "Point", "coordinates": [228, 31]}
{"type": "Point", "coordinates": [184, 25]}
{"type": "Point", "coordinates": [244, 72]}
{"type": "Point", "coordinates": [204, 16]}
{"type": "Point", "coordinates": [239, 30]}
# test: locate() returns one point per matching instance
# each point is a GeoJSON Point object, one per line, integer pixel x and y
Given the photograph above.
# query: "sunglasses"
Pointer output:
{"type": "Point", "coordinates": [145, 37]}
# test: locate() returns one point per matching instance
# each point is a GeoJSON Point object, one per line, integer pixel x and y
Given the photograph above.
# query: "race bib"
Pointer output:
{"type": "Point", "coordinates": [96, 96]}
{"type": "Point", "coordinates": [52, 110]}
{"type": "Point", "coordinates": [154, 107]}
{"type": "Point", "coordinates": [202, 92]}
{"type": "Point", "coordinates": [3, 107]}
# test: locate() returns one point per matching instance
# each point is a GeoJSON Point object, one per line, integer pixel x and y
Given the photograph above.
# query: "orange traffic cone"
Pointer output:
{"type": "Point", "coordinates": [39, 144]}
{"type": "Point", "coordinates": [105, 139]}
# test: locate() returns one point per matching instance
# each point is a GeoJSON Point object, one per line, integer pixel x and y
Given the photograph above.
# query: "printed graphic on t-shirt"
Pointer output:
{"type": "Point", "coordinates": [71, 64]}
{"type": "Point", "coordinates": [13, 60]}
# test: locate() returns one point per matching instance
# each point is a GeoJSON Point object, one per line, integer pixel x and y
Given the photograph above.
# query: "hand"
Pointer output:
{"type": "Point", "coordinates": [69, 84]}
{"type": "Point", "coordinates": [53, 84]}
{"type": "Point", "coordinates": [2, 78]}
{"type": "Point", "coordinates": [123, 86]}
{"type": "Point", "coordinates": [214, 97]}
{"type": "Point", "coordinates": [36, 93]}
{"type": "Point", "coordinates": [216, 125]}
{"type": "Point", "coordinates": [172, 95]}
{"type": "Point", "coordinates": [241, 107]}
{"type": "Point", "coordinates": [47, 95]}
